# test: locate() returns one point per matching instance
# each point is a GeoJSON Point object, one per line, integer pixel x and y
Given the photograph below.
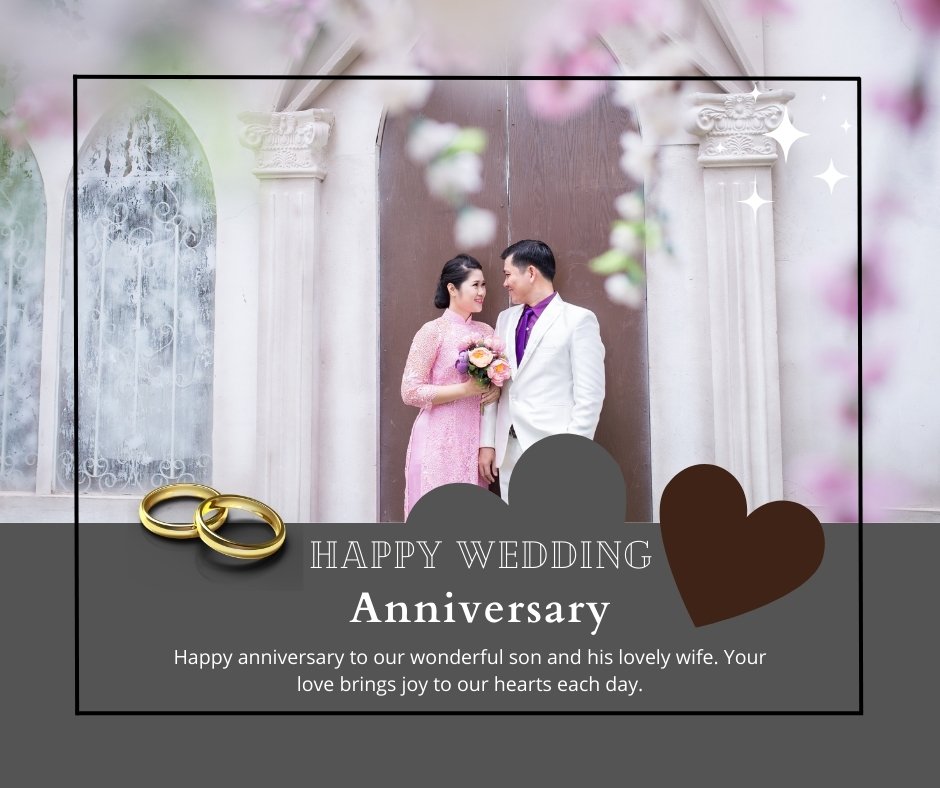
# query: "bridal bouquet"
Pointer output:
{"type": "Point", "coordinates": [483, 359]}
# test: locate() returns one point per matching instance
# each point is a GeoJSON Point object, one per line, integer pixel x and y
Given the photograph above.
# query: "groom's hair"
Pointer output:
{"type": "Point", "coordinates": [537, 253]}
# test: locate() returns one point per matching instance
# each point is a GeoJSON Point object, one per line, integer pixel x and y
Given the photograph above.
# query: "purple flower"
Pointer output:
{"type": "Point", "coordinates": [463, 362]}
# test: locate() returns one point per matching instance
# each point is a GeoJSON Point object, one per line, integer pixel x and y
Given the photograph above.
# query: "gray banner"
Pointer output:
{"type": "Point", "coordinates": [892, 743]}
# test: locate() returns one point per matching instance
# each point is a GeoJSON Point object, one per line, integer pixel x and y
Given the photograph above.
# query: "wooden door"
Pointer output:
{"type": "Point", "coordinates": [543, 179]}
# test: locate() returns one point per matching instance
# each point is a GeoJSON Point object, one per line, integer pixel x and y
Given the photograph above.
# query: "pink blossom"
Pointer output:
{"type": "Point", "coordinates": [603, 13]}
{"type": "Point", "coordinates": [847, 413]}
{"type": "Point", "coordinates": [497, 344]}
{"type": "Point", "coordinates": [886, 205]}
{"type": "Point", "coordinates": [876, 364]}
{"type": "Point", "coordinates": [303, 17]}
{"type": "Point", "coordinates": [927, 13]}
{"type": "Point", "coordinates": [569, 25]}
{"type": "Point", "coordinates": [834, 488]}
{"type": "Point", "coordinates": [882, 492]}
{"type": "Point", "coordinates": [558, 99]}
{"type": "Point", "coordinates": [841, 293]}
{"type": "Point", "coordinates": [767, 7]}
{"type": "Point", "coordinates": [875, 367]}
{"type": "Point", "coordinates": [40, 110]}
{"type": "Point", "coordinates": [908, 107]}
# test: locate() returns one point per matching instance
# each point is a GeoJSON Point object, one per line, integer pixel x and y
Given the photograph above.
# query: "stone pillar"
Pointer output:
{"type": "Point", "coordinates": [737, 158]}
{"type": "Point", "coordinates": [289, 150]}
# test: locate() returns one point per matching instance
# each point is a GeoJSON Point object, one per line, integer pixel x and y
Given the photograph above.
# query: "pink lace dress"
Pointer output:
{"type": "Point", "coordinates": [445, 439]}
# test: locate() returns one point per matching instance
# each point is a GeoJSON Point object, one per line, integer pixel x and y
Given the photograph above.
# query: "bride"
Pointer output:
{"type": "Point", "coordinates": [445, 439]}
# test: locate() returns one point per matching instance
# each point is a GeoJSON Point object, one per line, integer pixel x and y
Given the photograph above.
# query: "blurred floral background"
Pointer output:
{"type": "Point", "coordinates": [45, 42]}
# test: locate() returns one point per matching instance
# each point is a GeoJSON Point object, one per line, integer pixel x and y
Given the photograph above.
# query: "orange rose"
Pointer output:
{"type": "Point", "coordinates": [480, 357]}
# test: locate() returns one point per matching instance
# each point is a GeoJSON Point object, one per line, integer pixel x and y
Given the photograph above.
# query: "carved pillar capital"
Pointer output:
{"type": "Point", "coordinates": [288, 144]}
{"type": "Point", "coordinates": [733, 127]}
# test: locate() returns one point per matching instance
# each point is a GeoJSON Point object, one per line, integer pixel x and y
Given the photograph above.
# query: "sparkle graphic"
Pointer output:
{"type": "Point", "coordinates": [831, 176]}
{"type": "Point", "coordinates": [823, 97]}
{"type": "Point", "coordinates": [846, 126]}
{"type": "Point", "coordinates": [720, 148]}
{"type": "Point", "coordinates": [755, 201]}
{"type": "Point", "coordinates": [755, 93]}
{"type": "Point", "coordinates": [786, 133]}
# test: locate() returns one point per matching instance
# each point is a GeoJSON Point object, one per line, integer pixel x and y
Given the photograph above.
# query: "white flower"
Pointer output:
{"type": "Point", "coordinates": [630, 206]}
{"type": "Point", "coordinates": [622, 290]}
{"type": "Point", "coordinates": [655, 97]}
{"type": "Point", "coordinates": [629, 140]}
{"type": "Point", "coordinates": [475, 227]}
{"type": "Point", "coordinates": [456, 175]}
{"type": "Point", "coordinates": [669, 60]}
{"type": "Point", "coordinates": [661, 115]}
{"type": "Point", "coordinates": [626, 93]}
{"type": "Point", "coordinates": [626, 239]}
{"type": "Point", "coordinates": [429, 138]}
{"type": "Point", "coordinates": [673, 59]}
{"type": "Point", "coordinates": [637, 159]}
{"type": "Point", "coordinates": [400, 94]}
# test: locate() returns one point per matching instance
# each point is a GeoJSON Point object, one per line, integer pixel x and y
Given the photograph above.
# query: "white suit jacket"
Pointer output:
{"type": "Point", "coordinates": [558, 387]}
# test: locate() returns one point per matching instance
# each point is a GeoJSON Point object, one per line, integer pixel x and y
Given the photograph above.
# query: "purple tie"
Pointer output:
{"type": "Point", "coordinates": [523, 331]}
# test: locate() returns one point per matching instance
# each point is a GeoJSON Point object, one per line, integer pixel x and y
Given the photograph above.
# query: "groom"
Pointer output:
{"type": "Point", "coordinates": [557, 361]}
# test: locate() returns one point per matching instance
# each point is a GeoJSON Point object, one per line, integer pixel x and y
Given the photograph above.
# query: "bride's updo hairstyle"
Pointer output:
{"type": "Point", "coordinates": [455, 273]}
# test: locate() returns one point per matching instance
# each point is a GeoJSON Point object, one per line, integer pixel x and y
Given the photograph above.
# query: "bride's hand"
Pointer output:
{"type": "Point", "coordinates": [490, 394]}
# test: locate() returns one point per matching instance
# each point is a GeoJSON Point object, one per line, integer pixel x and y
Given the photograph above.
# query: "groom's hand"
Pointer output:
{"type": "Point", "coordinates": [490, 394]}
{"type": "Point", "coordinates": [488, 464]}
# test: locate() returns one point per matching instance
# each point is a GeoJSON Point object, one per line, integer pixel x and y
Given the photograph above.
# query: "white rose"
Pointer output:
{"type": "Point", "coordinates": [630, 206]}
{"type": "Point", "coordinates": [455, 175]}
{"type": "Point", "coordinates": [430, 138]}
{"type": "Point", "coordinates": [622, 290]}
{"type": "Point", "coordinates": [626, 239]}
{"type": "Point", "coordinates": [475, 227]}
{"type": "Point", "coordinates": [637, 159]}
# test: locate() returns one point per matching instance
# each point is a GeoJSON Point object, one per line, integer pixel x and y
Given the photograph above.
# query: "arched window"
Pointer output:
{"type": "Point", "coordinates": [22, 262]}
{"type": "Point", "coordinates": [146, 260]}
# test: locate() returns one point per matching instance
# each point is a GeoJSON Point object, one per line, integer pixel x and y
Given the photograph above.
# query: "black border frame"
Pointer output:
{"type": "Point", "coordinates": [643, 713]}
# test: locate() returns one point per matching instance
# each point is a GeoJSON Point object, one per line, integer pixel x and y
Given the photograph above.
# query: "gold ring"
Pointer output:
{"type": "Point", "coordinates": [236, 549]}
{"type": "Point", "coordinates": [177, 530]}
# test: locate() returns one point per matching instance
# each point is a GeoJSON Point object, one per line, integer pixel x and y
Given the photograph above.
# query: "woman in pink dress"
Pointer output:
{"type": "Point", "coordinates": [445, 439]}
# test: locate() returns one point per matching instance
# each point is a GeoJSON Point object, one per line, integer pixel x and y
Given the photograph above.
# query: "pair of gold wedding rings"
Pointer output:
{"type": "Point", "coordinates": [209, 516]}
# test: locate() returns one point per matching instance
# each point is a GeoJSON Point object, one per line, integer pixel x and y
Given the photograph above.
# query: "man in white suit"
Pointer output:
{"type": "Point", "coordinates": [557, 360]}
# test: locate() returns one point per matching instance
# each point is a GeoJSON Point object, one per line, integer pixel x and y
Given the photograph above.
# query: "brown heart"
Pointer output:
{"type": "Point", "coordinates": [724, 561]}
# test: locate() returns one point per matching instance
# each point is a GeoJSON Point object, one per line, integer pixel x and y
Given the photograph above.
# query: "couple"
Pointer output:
{"type": "Point", "coordinates": [556, 360]}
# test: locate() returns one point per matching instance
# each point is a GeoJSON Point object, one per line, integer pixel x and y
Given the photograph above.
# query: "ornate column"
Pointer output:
{"type": "Point", "coordinates": [289, 150]}
{"type": "Point", "coordinates": [737, 158]}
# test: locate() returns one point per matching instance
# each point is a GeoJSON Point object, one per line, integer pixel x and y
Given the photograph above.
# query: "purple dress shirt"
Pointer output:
{"type": "Point", "coordinates": [529, 315]}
